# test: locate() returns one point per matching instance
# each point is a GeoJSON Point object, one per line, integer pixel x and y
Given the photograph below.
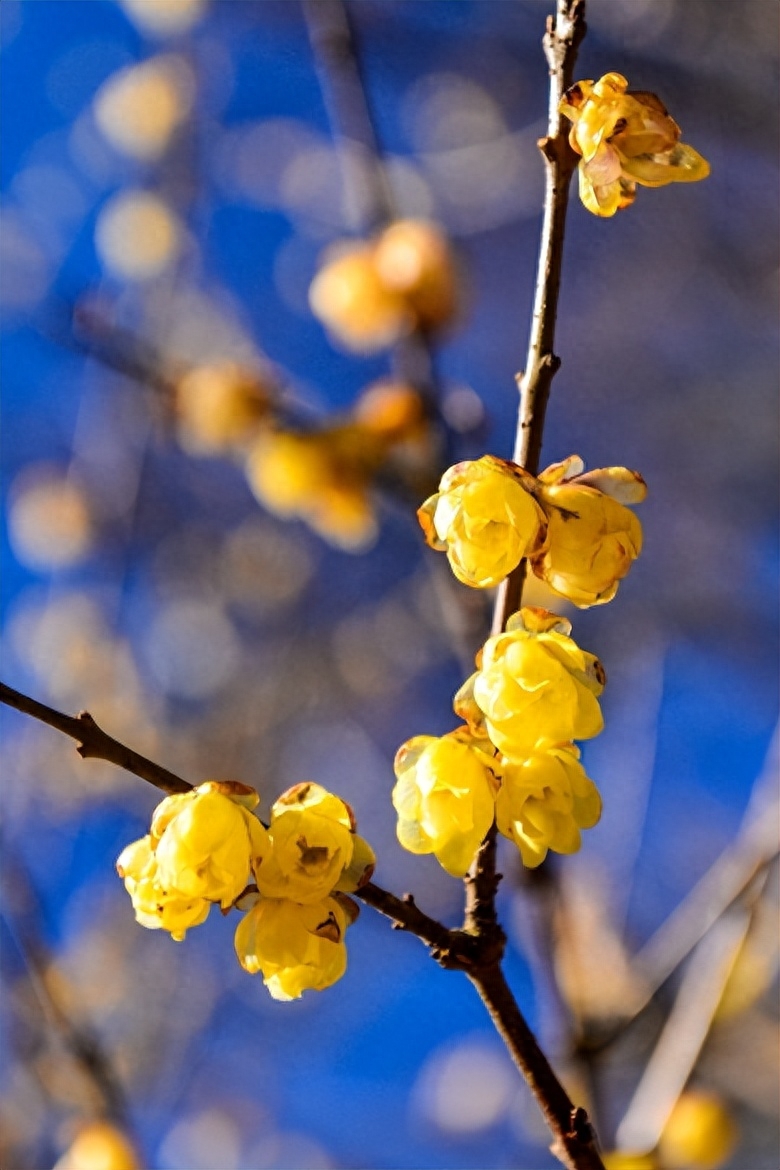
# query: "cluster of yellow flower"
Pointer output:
{"type": "Point", "coordinates": [513, 759]}
{"type": "Point", "coordinates": [369, 294]}
{"type": "Point", "coordinates": [573, 526]}
{"type": "Point", "coordinates": [206, 846]}
{"type": "Point", "coordinates": [323, 475]}
{"type": "Point", "coordinates": [625, 139]}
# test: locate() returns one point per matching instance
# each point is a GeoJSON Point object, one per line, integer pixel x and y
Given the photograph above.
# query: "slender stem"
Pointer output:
{"type": "Point", "coordinates": [93, 742]}
{"type": "Point", "coordinates": [575, 1141]}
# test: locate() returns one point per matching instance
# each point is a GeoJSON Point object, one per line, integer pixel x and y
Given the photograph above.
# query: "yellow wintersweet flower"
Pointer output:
{"type": "Point", "coordinates": [99, 1146]}
{"type": "Point", "coordinates": [295, 947]}
{"type": "Point", "coordinates": [413, 259]}
{"type": "Point", "coordinates": [535, 686]}
{"type": "Point", "coordinates": [157, 907]}
{"type": "Point", "coordinates": [445, 797]}
{"type": "Point", "coordinates": [313, 841]}
{"type": "Point", "coordinates": [624, 139]}
{"type": "Point", "coordinates": [349, 297]}
{"type": "Point", "coordinates": [322, 477]}
{"type": "Point", "coordinates": [592, 538]}
{"type": "Point", "coordinates": [485, 518]}
{"type": "Point", "coordinates": [544, 801]}
{"type": "Point", "coordinates": [629, 1160]}
{"type": "Point", "coordinates": [139, 108]}
{"type": "Point", "coordinates": [207, 841]}
{"type": "Point", "coordinates": [219, 407]}
{"type": "Point", "coordinates": [700, 1133]}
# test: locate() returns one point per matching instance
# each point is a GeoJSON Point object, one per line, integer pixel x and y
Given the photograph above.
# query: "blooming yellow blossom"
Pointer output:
{"type": "Point", "coordinates": [219, 407]}
{"type": "Point", "coordinates": [535, 686]}
{"type": "Point", "coordinates": [592, 538]}
{"type": "Point", "coordinates": [485, 518]}
{"type": "Point", "coordinates": [629, 1160]}
{"type": "Point", "coordinates": [99, 1146]}
{"type": "Point", "coordinates": [313, 838]}
{"type": "Point", "coordinates": [445, 797]}
{"type": "Point", "coordinates": [349, 297]}
{"type": "Point", "coordinates": [700, 1133]}
{"type": "Point", "coordinates": [624, 138]}
{"type": "Point", "coordinates": [413, 259]}
{"type": "Point", "coordinates": [544, 801]}
{"type": "Point", "coordinates": [157, 907]}
{"type": "Point", "coordinates": [322, 477]}
{"type": "Point", "coordinates": [207, 841]}
{"type": "Point", "coordinates": [139, 108]}
{"type": "Point", "coordinates": [295, 947]}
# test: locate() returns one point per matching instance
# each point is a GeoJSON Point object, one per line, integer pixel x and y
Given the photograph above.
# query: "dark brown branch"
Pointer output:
{"type": "Point", "coordinates": [93, 743]}
{"type": "Point", "coordinates": [575, 1141]}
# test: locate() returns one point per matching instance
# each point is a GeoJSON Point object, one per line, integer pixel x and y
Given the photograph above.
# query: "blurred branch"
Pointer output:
{"type": "Point", "coordinates": [80, 1042]}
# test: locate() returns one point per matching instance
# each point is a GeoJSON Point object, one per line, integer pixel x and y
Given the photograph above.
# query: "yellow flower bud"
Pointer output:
{"type": "Point", "coordinates": [699, 1135]}
{"type": "Point", "coordinates": [321, 477]}
{"type": "Point", "coordinates": [445, 797]}
{"type": "Point", "coordinates": [219, 407]}
{"type": "Point", "coordinates": [592, 538]}
{"type": "Point", "coordinates": [413, 259]}
{"type": "Point", "coordinates": [312, 839]}
{"type": "Point", "coordinates": [156, 906]}
{"type": "Point", "coordinates": [629, 1160]}
{"type": "Point", "coordinates": [99, 1146]}
{"type": "Point", "coordinates": [544, 801]}
{"type": "Point", "coordinates": [535, 686]}
{"type": "Point", "coordinates": [295, 947]}
{"type": "Point", "coordinates": [485, 518]}
{"type": "Point", "coordinates": [348, 296]}
{"type": "Point", "coordinates": [624, 139]}
{"type": "Point", "coordinates": [207, 841]}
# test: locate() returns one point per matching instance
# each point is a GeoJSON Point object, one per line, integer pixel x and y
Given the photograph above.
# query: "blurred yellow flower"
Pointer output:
{"type": "Point", "coordinates": [99, 1146]}
{"type": "Point", "coordinates": [139, 108]}
{"type": "Point", "coordinates": [164, 17]}
{"type": "Point", "coordinates": [535, 686]}
{"type": "Point", "coordinates": [207, 841]}
{"type": "Point", "coordinates": [629, 1160]}
{"type": "Point", "coordinates": [219, 407]}
{"type": "Point", "coordinates": [394, 410]}
{"type": "Point", "coordinates": [592, 538]}
{"type": "Point", "coordinates": [413, 258]}
{"type": "Point", "coordinates": [137, 235]}
{"type": "Point", "coordinates": [312, 841]}
{"type": "Point", "coordinates": [49, 521]}
{"type": "Point", "coordinates": [294, 947]}
{"type": "Point", "coordinates": [445, 797]}
{"type": "Point", "coordinates": [321, 477]}
{"type": "Point", "coordinates": [700, 1133]}
{"type": "Point", "coordinates": [624, 138]}
{"type": "Point", "coordinates": [544, 801]}
{"type": "Point", "coordinates": [156, 906]}
{"type": "Point", "coordinates": [485, 518]}
{"type": "Point", "coordinates": [348, 296]}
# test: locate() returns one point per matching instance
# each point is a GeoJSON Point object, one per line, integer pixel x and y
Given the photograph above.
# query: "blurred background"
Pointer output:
{"type": "Point", "coordinates": [173, 172]}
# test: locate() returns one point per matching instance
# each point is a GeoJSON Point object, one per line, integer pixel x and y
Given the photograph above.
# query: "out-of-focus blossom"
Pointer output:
{"type": "Point", "coordinates": [629, 1160]}
{"type": "Point", "coordinates": [99, 1146]}
{"type": "Point", "coordinates": [348, 296]}
{"type": "Point", "coordinates": [625, 138]}
{"type": "Point", "coordinates": [157, 907]}
{"type": "Point", "coordinates": [163, 18]}
{"type": "Point", "coordinates": [413, 258]}
{"type": "Point", "coordinates": [207, 841]}
{"type": "Point", "coordinates": [592, 538]}
{"type": "Point", "coordinates": [485, 518]}
{"type": "Point", "coordinates": [534, 686]}
{"type": "Point", "coordinates": [312, 834]}
{"type": "Point", "coordinates": [393, 410]}
{"type": "Point", "coordinates": [295, 947]}
{"type": "Point", "coordinates": [322, 477]}
{"type": "Point", "coordinates": [49, 521]}
{"type": "Point", "coordinates": [445, 797]}
{"type": "Point", "coordinates": [700, 1133]}
{"type": "Point", "coordinates": [219, 407]}
{"type": "Point", "coordinates": [544, 801]}
{"type": "Point", "coordinates": [137, 235]}
{"type": "Point", "coordinates": [139, 108]}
